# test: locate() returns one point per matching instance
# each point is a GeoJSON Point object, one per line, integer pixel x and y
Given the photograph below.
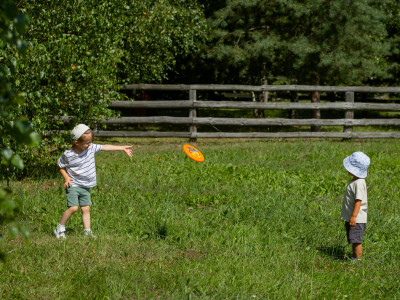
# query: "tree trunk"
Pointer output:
{"type": "Point", "coordinates": [315, 97]}
{"type": "Point", "coordinates": [316, 113]}
{"type": "Point", "coordinates": [263, 97]}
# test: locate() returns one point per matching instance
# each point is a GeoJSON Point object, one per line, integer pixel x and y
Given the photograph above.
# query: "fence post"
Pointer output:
{"type": "Point", "coordinates": [349, 114]}
{"type": "Point", "coordinates": [265, 93]}
{"type": "Point", "coordinates": [264, 96]}
{"type": "Point", "coordinates": [192, 115]}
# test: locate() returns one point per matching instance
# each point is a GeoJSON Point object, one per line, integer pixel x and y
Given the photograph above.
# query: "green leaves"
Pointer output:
{"type": "Point", "coordinates": [24, 134]}
{"type": "Point", "coordinates": [156, 33]}
{"type": "Point", "coordinates": [14, 24]}
{"type": "Point", "coordinates": [15, 130]}
{"type": "Point", "coordinates": [9, 158]}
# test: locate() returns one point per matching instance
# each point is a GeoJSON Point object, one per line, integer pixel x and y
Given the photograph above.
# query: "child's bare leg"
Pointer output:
{"type": "Point", "coordinates": [67, 214]}
{"type": "Point", "coordinates": [86, 217]}
{"type": "Point", "coordinates": [357, 250]}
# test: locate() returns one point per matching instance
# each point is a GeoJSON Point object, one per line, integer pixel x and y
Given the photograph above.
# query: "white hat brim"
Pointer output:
{"type": "Point", "coordinates": [353, 170]}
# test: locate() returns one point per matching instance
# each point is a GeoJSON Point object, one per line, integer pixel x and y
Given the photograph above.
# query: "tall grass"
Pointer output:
{"type": "Point", "coordinates": [257, 219]}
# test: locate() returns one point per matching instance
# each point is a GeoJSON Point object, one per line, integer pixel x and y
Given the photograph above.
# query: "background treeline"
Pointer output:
{"type": "Point", "coordinates": [77, 54]}
{"type": "Point", "coordinates": [337, 42]}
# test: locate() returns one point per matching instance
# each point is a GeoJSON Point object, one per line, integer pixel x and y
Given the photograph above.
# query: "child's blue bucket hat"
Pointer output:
{"type": "Point", "coordinates": [357, 164]}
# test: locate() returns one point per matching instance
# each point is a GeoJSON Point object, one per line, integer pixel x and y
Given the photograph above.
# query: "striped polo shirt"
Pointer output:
{"type": "Point", "coordinates": [80, 167]}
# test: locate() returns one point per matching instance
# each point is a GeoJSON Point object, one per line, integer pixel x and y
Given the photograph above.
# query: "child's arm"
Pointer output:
{"type": "Point", "coordinates": [356, 209]}
{"type": "Point", "coordinates": [126, 149]}
{"type": "Point", "coordinates": [67, 179]}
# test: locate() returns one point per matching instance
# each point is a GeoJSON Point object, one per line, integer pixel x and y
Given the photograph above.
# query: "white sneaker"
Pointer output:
{"type": "Point", "coordinates": [89, 234]}
{"type": "Point", "coordinates": [353, 259]}
{"type": "Point", "coordinates": [59, 234]}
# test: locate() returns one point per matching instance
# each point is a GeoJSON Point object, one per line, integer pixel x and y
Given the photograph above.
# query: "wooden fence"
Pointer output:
{"type": "Point", "coordinates": [192, 104]}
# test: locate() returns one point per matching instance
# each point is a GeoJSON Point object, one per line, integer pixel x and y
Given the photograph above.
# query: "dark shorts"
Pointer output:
{"type": "Point", "coordinates": [78, 196]}
{"type": "Point", "coordinates": [355, 234]}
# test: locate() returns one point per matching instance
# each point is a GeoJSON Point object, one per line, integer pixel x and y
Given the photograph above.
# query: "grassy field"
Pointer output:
{"type": "Point", "coordinates": [256, 220]}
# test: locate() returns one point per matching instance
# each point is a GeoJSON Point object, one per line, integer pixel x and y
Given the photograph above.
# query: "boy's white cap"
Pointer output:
{"type": "Point", "coordinates": [357, 164]}
{"type": "Point", "coordinates": [78, 130]}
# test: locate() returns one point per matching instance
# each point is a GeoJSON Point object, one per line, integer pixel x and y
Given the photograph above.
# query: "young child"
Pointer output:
{"type": "Point", "coordinates": [77, 166]}
{"type": "Point", "coordinates": [354, 207]}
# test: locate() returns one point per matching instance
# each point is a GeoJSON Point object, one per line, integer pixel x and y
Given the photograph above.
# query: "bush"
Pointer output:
{"type": "Point", "coordinates": [16, 131]}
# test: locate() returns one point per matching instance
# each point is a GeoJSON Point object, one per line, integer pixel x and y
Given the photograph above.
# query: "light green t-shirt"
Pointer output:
{"type": "Point", "coordinates": [356, 189]}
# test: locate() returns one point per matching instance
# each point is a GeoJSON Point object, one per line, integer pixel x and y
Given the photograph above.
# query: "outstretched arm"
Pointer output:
{"type": "Point", "coordinates": [126, 149]}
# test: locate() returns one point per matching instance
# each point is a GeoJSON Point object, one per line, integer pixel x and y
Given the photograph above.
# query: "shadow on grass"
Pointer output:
{"type": "Point", "coordinates": [335, 251]}
{"type": "Point", "coordinates": [156, 230]}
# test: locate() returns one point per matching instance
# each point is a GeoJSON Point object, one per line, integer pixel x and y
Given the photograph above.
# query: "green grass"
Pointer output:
{"type": "Point", "coordinates": [258, 219]}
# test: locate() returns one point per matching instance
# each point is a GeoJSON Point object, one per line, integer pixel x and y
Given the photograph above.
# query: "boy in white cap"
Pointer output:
{"type": "Point", "coordinates": [77, 166]}
{"type": "Point", "coordinates": [354, 207]}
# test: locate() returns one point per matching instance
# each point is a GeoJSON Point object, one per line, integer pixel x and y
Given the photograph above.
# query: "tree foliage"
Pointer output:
{"type": "Point", "coordinates": [156, 34]}
{"type": "Point", "coordinates": [15, 130]}
{"type": "Point", "coordinates": [71, 63]}
{"type": "Point", "coordinates": [309, 42]}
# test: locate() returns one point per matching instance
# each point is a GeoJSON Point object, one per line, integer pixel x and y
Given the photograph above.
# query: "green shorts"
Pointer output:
{"type": "Point", "coordinates": [78, 196]}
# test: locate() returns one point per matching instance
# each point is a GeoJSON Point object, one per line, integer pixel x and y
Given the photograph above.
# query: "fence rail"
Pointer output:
{"type": "Point", "coordinates": [256, 88]}
{"type": "Point", "coordinates": [342, 135]}
{"type": "Point", "coordinates": [192, 104]}
{"type": "Point", "coordinates": [254, 105]}
{"type": "Point", "coordinates": [253, 122]}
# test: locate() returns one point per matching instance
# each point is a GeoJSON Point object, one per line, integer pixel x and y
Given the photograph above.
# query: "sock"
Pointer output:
{"type": "Point", "coordinates": [87, 230]}
{"type": "Point", "coordinates": [61, 228]}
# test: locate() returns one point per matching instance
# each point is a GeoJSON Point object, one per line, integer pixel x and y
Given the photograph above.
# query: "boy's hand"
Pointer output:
{"type": "Point", "coordinates": [128, 150]}
{"type": "Point", "coordinates": [352, 221]}
{"type": "Point", "coordinates": [67, 182]}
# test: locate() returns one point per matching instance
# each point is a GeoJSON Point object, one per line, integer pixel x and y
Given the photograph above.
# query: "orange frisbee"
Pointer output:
{"type": "Point", "coordinates": [193, 153]}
